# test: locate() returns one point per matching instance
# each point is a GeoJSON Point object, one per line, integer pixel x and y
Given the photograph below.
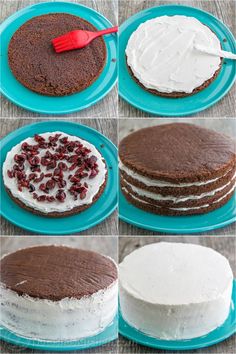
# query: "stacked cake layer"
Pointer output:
{"type": "Point", "coordinates": [177, 169]}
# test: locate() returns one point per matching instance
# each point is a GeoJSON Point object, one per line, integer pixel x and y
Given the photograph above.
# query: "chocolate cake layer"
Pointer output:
{"type": "Point", "coordinates": [180, 202]}
{"type": "Point", "coordinates": [176, 212]}
{"type": "Point", "coordinates": [182, 191]}
{"type": "Point", "coordinates": [178, 152]}
{"type": "Point", "coordinates": [57, 272]}
{"type": "Point", "coordinates": [36, 65]}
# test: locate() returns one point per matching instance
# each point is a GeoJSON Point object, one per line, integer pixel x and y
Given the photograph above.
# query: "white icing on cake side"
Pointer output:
{"type": "Point", "coordinates": [26, 197]}
{"type": "Point", "coordinates": [175, 290]}
{"type": "Point", "coordinates": [151, 182]}
{"type": "Point", "coordinates": [74, 318]}
{"type": "Point", "coordinates": [64, 320]}
{"type": "Point", "coordinates": [158, 197]}
{"type": "Point", "coordinates": [161, 53]}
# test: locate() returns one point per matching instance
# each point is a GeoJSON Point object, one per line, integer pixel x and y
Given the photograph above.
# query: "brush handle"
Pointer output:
{"type": "Point", "coordinates": [106, 31]}
{"type": "Point", "coordinates": [216, 52]}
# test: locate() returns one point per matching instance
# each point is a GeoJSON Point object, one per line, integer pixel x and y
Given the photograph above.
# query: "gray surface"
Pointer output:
{"type": "Point", "coordinates": [223, 10]}
{"type": "Point", "coordinates": [104, 245]}
{"type": "Point", "coordinates": [224, 245]}
{"type": "Point", "coordinates": [107, 107]}
{"type": "Point", "coordinates": [129, 125]}
{"type": "Point", "coordinates": [108, 127]}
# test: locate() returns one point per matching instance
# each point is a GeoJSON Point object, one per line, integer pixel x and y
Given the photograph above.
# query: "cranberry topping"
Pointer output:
{"type": "Point", "coordinates": [31, 188]}
{"type": "Point", "coordinates": [19, 159]}
{"type": "Point", "coordinates": [61, 195]}
{"type": "Point", "coordinates": [57, 152]}
{"type": "Point", "coordinates": [50, 184]}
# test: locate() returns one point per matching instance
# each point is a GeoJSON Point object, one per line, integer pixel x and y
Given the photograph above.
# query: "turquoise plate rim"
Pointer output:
{"type": "Point", "coordinates": [124, 205]}
{"type": "Point", "coordinates": [111, 44]}
{"type": "Point", "coordinates": [190, 344]}
{"type": "Point", "coordinates": [158, 112]}
{"type": "Point", "coordinates": [109, 152]}
{"type": "Point", "coordinates": [109, 334]}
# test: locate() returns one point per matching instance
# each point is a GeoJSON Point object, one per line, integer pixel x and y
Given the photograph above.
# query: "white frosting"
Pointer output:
{"type": "Point", "coordinates": [151, 182]}
{"type": "Point", "coordinates": [74, 318]}
{"type": "Point", "coordinates": [175, 290]}
{"type": "Point", "coordinates": [162, 55]}
{"type": "Point", "coordinates": [174, 199]}
{"type": "Point", "coordinates": [26, 197]}
{"type": "Point", "coordinates": [181, 209]}
{"type": "Point", "coordinates": [64, 320]}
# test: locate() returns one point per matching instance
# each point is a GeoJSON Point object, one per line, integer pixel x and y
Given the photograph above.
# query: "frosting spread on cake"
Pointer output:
{"type": "Point", "coordinates": [89, 184]}
{"type": "Point", "coordinates": [75, 289]}
{"type": "Point", "coordinates": [175, 199]}
{"type": "Point", "coordinates": [151, 182]}
{"type": "Point", "coordinates": [175, 290]}
{"type": "Point", "coordinates": [162, 55]}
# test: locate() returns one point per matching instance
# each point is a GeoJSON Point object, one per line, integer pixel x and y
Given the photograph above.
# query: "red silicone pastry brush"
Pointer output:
{"type": "Point", "coordinates": [78, 39]}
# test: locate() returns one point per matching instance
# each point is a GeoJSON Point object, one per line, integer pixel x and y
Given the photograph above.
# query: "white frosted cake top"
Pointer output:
{"type": "Point", "coordinates": [162, 55]}
{"type": "Point", "coordinates": [89, 184]}
{"type": "Point", "coordinates": [175, 273]}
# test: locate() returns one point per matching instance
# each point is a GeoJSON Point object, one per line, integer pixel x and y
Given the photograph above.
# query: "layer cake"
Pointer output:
{"type": "Point", "coordinates": [57, 293]}
{"type": "Point", "coordinates": [177, 169]}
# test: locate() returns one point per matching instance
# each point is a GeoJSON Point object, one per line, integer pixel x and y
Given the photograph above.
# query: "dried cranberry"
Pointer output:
{"type": "Point", "coordinates": [50, 198]}
{"type": "Point", "coordinates": [62, 166]}
{"type": "Point", "coordinates": [82, 195]}
{"type": "Point", "coordinates": [93, 174]}
{"type": "Point", "coordinates": [61, 183]}
{"type": "Point", "coordinates": [64, 140]}
{"type": "Point", "coordinates": [48, 175]}
{"type": "Point", "coordinates": [50, 184]}
{"type": "Point", "coordinates": [19, 158]}
{"type": "Point", "coordinates": [24, 146]}
{"type": "Point", "coordinates": [38, 138]}
{"type": "Point", "coordinates": [72, 167]}
{"type": "Point", "coordinates": [42, 187]}
{"type": "Point", "coordinates": [56, 172]}
{"type": "Point", "coordinates": [40, 178]}
{"type": "Point", "coordinates": [45, 161]}
{"type": "Point", "coordinates": [48, 155]}
{"type": "Point", "coordinates": [34, 161]}
{"type": "Point", "coordinates": [18, 167]}
{"type": "Point", "coordinates": [31, 188]}
{"type": "Point", "coordinates": [10, 174]}
{"type": "Point", "coordinates": [70, 147]}
{"type": "Point", "coordinates": [51, 165]}
{"type": "Point", "coordinates": [32, 176]}
{"type": "Point", "coordinates": [42, 198]}
{"type": "Point", "coordinates": [35, 195]}
{"type": "Point", "coordinates": [35, 168]}
{"type": "Point", "coordinates": [61, 195]}
{"type": "Point", "coordinates": [74, 179]}
{"type": "Point", "coordinates": [73, 158]}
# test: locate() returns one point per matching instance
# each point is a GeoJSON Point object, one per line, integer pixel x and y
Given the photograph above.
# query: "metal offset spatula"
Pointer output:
{"type": "Point", "coordinates": [78, 39]}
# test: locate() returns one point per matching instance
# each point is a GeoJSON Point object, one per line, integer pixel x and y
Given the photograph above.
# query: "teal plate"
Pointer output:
{"type": "Point", "coordinates": [131, 92]}
{"type": "Point", "coordinates": [218, 335]}
{"type": "Point", "coordinates": [32, 101]}
{"type": "Point", "coordinates": [108, 335]}
{"type": "Point", "coordinates": [177, 224]}
{"type": "Point", "coordinates": [100, 210]}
